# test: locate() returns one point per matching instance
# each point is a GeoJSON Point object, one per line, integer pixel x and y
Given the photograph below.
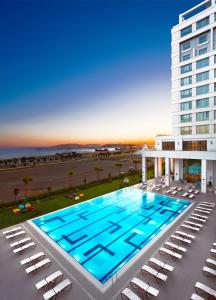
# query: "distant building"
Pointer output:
{"type": "Point", "coordinates": [190, 153]}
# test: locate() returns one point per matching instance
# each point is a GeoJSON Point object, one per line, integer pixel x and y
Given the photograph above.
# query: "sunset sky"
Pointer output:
{"type": "Point", "coordinates": [85, 71]}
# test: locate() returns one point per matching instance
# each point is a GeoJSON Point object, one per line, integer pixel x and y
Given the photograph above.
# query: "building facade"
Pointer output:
{"type": "Point", "coordinates": [190, 153]}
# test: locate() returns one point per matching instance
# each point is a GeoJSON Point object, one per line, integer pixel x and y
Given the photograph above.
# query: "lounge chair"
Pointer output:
{"type": "Point", "coordinates": [174, 192]}
{"type": "Point", "coordinates": [202, 211]}
{"type": "Point", "coordinates": [157, 189]}
{"type": "Point", "coordinates": [204, 208]}
{"type": "Point", "coordinates": [178, 238]}
{"type": "Point", "coordinates": [187, 235]}
{"type": "Point", "coordinates": [138, 284]}
{"type": "Point", "coordinates": [209, 271]}
{"type": "Point", "coordinates": [199, 216]}
{"type": "Point", "coordinates": [213, 252]}
{"type": "Point", "coordinates": [173, 246]}
{"type": "Point", "coordinates": [37, 266]}
{"type": "Point", "coordinates": [16, 234]}
{"type": "Point", "coordinates": [184, 195]}
{"type": "Point", "coordinates": [127, 294]}
{"type": "Point", "coordinates": [191, 196]}
{"type": "Point", "coordinates": [12, 230]}
{"type": "Point", "coordinates": [23, 248]}
{"type": "Point", "coordinates": [32, 259]}
{"type": "Point", "coordinates": [214, 244]}
{"type": "Point", "coordinates": [59, 288]}
{"type": "Point", "coordinates": [197, 219]}
{"type": "Point", "coordinates": [173, 254]}
{"type": "Point", "coordinates": [211, 262]}
{"type": "Point", "coordinates": [21, 242]}
{"type": "Point", "coordinates": [196, 297]}
{"type": "Point", "coordinates": [168, 191]}
{"type": "Point", "coordinates": [206, 205]}
{"type": "Point", "coordinates": [158, 263]}
{"type": "Point", "coordinates": [200, 287]}
{"type": "Point", "coordinates": [179, 189]}
{"type": "Point", "coordinates": [190, 227]}
{"type": "Point", "coordinates": [157, 275]}
{"type": "Point", "coordinates": [193, 224]}
{"type": "Point", "coordinates": [196, 192]}
{"type": "Point", "coordinates": [53, 278]}
{"type": "Point", "coordinates": [190, 191]}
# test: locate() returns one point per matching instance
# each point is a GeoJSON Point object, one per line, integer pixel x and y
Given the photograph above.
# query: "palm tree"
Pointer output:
{"type": "Point", "coordinates": [119, 166]}
{"type": "Point", "coordinates": [26, 180]}
{"type": "Point", "coordinates": [135, 162]}
{"type": "Point", "coordinates": [98, 170]}
{"type": "Point", "coordinates": [16, 193]}
{"type": "Point", "coordinates": [70, 173]}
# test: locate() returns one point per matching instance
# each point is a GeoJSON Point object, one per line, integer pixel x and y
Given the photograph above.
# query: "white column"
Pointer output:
{"type": "Point", "coordinates": [144, 169]}
{"type": "Point", "coordinates": [167, 171]}
{"type": "Point", "coordinates": [177, 170]}
{"type": "Point", "coordinates": [155, 167]}
{"type": "Point", "coordinates": [203, 175]}
{"type": "Point", "coordinates": [210, 171]}
{"type": "Point", "coordinates": [159, 166]}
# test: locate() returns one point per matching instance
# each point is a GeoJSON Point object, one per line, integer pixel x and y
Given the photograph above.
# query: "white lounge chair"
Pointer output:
{"type": "Point", "coordinates": [173, 246]}
{"type": "Point", "coordinates": [208, 205]}
{"type": "Point", "coordinates": [178, 238]}
{"type": "Point", "coordinates": [157, 275]}
{"type": "Point", "coordinates": [127, 294]}
{"type": "Point", "coordinates": [59, 288]}
{"type": "Point", "coordinates": [199, 216]}
{"type": "Point", "coordinates": [213, 252]}
{"type": "Point", "coordinates": [214, 244]}
{"type": "Point", "coordinates": [196, 192]}
{"type": "Point", "coordinates": [193, 224]}
{"type": "Point", "coordinates": [25, 247]}
{"type": "Point", "coordinates": [185, 195]}
{"type": "Point", "coordinates": [196, 297]}
{"type": "Point", "coordinates": [32, 259]}
{"type": "Point", "coordinates": [204, 208]}
{"type": "Point", "coordinates": [168, 191]}
{"type": "Point", "coordinates": [173, 254]}
{"type": "Point", "coordinates": [40, 264]}
{"type": "Point", "coordinates": [157, 189]}
{"type": "Point", "coordinates": [158, 263]}
{"type": "Point", "coordinates": [197, 219]}
{"type": "Point", "coordinates": [190, 191]}
{"type": "Point", "coordinates": [179, 189]}
{"type": "Point", "coordinates": [209, 271]}
{"type": "Point", "coordinates": [20, 242]}
{"type": "Point", "coordinates": [10, 231]}
{"type": "Point", "coordinates": [200, 287]}
{"type": "Point", "coordinates": [211, 262]}
{"type": "Point", "coordinates": [138, 284]}
{"type": "Point", "coordinates": [191, 196]}
{"type": "Point", "coordinates": [53, 278]}
{"type": "Point", "coordinates": [174, 193]}
{"type": "Point", "coordinates": [187, 235]}
{"type": "Point", "coordinates": [202, 211]}
{"type": "Point", "coordinates": [16, 234]}
{"type": "Point", "coordinates": [190, 227]}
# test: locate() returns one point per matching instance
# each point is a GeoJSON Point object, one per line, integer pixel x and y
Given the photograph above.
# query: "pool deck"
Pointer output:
{"type": "Point", "coordinates": [15, 284]}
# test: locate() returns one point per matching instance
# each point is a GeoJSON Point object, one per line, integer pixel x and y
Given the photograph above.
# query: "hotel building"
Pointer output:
{"type": "Point", "coordinates": [190, 153]}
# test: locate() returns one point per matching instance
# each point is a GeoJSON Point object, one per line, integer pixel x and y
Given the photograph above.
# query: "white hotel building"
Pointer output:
{"type": "Point", "coordinates": [190, 153]}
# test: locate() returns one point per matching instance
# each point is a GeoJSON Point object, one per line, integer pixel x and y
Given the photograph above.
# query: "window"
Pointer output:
{"type": "Point", "coordinates": [214, 128]}
{"type": "Point", "coordinates": [186, 68]}
{"type": "Point", "coordinates": [202, 63]}
{"type": "Point", "coordinates": [215, 114]}
{"type": "Point", "coordinates": [202, 116]}
{"type": "Point", "coordinates": [186, 105]}
{"type": "Point", "coordinates": [202, 76]}
{"type": "Point", "coordinates": [202, 103]}
{"type": "Point", "coordinates": [202, 23]}
{"type": "Point", "coordinates": [186, 93]}
{"type": "Point", "coordinates": [186, 118]}
{"type": "Point", "coordinates": [186, 130]}
{"type": "Point", "coordinates": [215, 87]}
{"type": "Point", "coordinates": [214, 72]}
{"type": "Point", "coordinates": [168, 145]}
{"type": "Point", "coordinates": [203, 89]}
{"type": "Point", "coordinates": [214, 101]}
{"type": "Point", "coordinates": [194, 145]}
{"type": "Point", "coordinates": [186, 80]}
{"type": "Point", "coordinates": [201, 129]}
{"type": "Point", "coordinates": [185, 57]}
{"type": "Point", "coordinates": [202, 51]}
{"type": "Point", "coordinates": [203, 38]}
{"type": "Point", "coordinates": [186, 46]}
{"type": "Point", "coordinates": [215, 59]}
{"type": "Point", "coordinates": [186, 30]}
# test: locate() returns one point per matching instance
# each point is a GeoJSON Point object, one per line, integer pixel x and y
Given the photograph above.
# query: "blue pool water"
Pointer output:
{"type": "Point", "coordinates": [103, 234]}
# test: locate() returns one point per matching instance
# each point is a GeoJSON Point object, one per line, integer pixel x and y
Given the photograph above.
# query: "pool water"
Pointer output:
{"type": "Point", "coordinates": [103, 234]}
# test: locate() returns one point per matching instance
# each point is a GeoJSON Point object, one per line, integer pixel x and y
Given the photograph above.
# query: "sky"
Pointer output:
{"type": "Point", "coordinates": [79, 71]}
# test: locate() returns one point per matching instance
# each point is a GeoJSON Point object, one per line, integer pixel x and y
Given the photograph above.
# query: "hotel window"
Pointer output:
{"type": "Point", "coordinates": [186, 80]}
{"type": "Point", "coordinates": [202, 116]}
{"type": "Point", "coordinates": [215, 59]}
{"type": "Point", "coordinates": [186, 105]}
{"type": "Point", "coordinates": [203, 89]}
{"type": "Point", "coordinates": [202, 103]}
{"type": "Point", "coordinates": [215, 114]}
{"type": "Point", "coordinates": [202, 51]}
{"type": "Point", "coordinates": [202, 63]}
{"type": "Point", "coordinates": [202, 23]}
{"type": "Point", "coordinates": [186, 130]}
{"type": "Point", "coordinates": [214, 128]}
{"type": "Point", "coordinates": [186, 57]}
{"type": "Point", "coordinates": [186, 118]}
{"type": "Point", "coordinates": [186, 46]}
{"type": "Point", "coordinates": [186, 30]}
{"type": "Point", "coordinates": [202, 76]}
{"type": "Point", "coordinates": [202, 129]}
{"type": "Point", "coordinates": [203, 38]}
{"type": "Point", "coordinates": [214, 87]}
{"type": "Point", "coordinates": [168, 146]}
{"type": "Point", "coordinates": [186, 68]}
{"type": "Point", "coordinates": [186, 93]}
{"type": "Point", "coordinates": [194, 145]}
{"type": "Point", "coordinates": [214, 101]}
{"type": "Point", "coordinates": [214, 72]}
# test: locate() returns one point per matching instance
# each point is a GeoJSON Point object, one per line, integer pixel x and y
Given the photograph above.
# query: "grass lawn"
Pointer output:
{"type": "Point", "coordinates": [58, 201]}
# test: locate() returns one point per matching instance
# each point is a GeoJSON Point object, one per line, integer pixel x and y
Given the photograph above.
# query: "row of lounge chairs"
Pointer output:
{"type": "Point", "coordinates": [157, 268]}
{"type": "Point", "coordinates": [36, 262]}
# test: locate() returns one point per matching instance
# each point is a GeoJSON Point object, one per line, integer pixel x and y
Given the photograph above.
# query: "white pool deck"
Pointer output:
{"type": "Point", "coordinates": [16, 284]}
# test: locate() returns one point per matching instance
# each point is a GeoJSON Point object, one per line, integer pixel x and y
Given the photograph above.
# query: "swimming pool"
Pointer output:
{"type": "Point", "coordinates": [103, 234]}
